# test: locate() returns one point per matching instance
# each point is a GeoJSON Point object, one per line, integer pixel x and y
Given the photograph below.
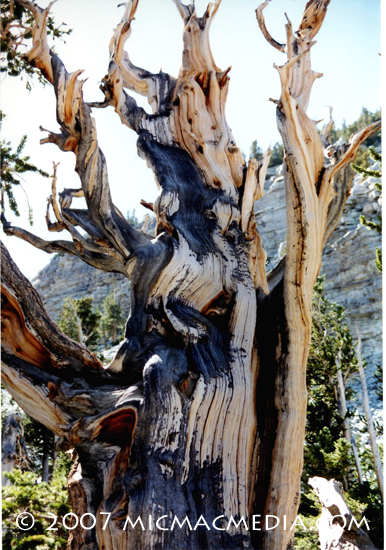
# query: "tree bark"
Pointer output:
{"type": "Point", "coordinates": [337, 525]}
{"type": "Point", "coordinates": [201, 414]}
{"type": "Point", "coordinates": [13, 451]}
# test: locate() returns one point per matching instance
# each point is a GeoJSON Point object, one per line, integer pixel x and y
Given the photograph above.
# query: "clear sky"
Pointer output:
{"type": "Point", "coordinates": [347, 52]}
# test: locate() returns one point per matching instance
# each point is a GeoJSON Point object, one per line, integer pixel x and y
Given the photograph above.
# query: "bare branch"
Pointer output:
{"type": "Point", "coordinates": [78, 134]}
{"type": "Point", "coordinates": [39, 55]}
{"type": "Point", "coordinates": [253, 191]}
{"type": "Point", "coordinates": [263, 28]}
{"type": "Point", "coordinates": [96, 259]}
{"type": "Point", "coordinates": [122, 73]}
{"type": "Point", "coordinates": [185, 11]}
{"type": "Point", "coordinates": [26, 305]}
{"type": "Point", "coordinates": [329, 126]}
{"type": "Point", "coordinates": [355, 142]}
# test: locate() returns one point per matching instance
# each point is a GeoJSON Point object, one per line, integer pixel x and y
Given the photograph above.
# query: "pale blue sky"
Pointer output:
{"type": "Point", "coordinates": [347, 52]}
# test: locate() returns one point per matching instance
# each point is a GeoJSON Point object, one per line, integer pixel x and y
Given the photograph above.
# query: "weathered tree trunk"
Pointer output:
{"type": "Point", "coordinates": [338, 528]}
{"type": "Point", "coordinates": [13, 452]}
{"type": "Point", "coordinates": [201, 414]}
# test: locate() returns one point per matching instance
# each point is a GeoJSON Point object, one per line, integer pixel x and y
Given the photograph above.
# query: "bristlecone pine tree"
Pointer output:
{"type": "Point", "coordinates": [202, 412]}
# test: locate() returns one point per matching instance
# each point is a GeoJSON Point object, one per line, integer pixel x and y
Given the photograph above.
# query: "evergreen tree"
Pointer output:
{"type": "Point", "coordinates": [26, 494]}
{"type": "Point", "coordinates": [68, 319]}
{"type": "Point", "coordinates": [346, 131]}
{"type": "Point", "coordinates": [332, 349]}
{"type": "Point", "coordinates": [113, 320]}
{"type": "Point", "coordinates": [277, 155]}
{"type": "Point", "coordinates": [256, 152]}
{"type": "Point", "coordinates": [80, 320]}
{"type": "Point", "coordinates": [13, 164]}
{"type": "Point", "coordinates": [90, 320]}
{"type": "Point", "coordinates": [133, 220]}
{"type": "Point", "coordinates": [40, 443]}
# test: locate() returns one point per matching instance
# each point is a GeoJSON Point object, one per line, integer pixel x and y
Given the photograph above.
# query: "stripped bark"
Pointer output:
{"type": "Point", "coordinates": [13, 450]}
{"type": "Point", "coordinates": [202, 411]}
{"type": "Point", "coordinates": [313, 205]}
{"type": "Point", "coordinates": [337, 525]}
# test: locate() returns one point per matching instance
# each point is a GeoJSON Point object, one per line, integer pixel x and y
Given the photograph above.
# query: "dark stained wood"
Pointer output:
{"type": "Point", "coordinates": [202, 410]}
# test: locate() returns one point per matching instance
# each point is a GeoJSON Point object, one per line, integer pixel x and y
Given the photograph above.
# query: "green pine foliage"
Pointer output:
{"type": "Point", "coordinates": [113, 321]}
{"type": "Point", "coordinates": [40, 442]}
{"type": "Point", "coordinates": [16, 24]}
{"type": "Point", "coordinates": [81, 311]}
{"type": "Point", "coordinates": [13, 166]}
{"type": "Point", "coordinates": [90, 320]}
{"type": "Point", "coordinates": [379, 378]}
{"type": "Point", "coordinates": [277, 155]}
{"type": "Point", "coordinates": [133, 220]}
{"type": "Point", "coordinates": [68, 319]}
{"type": "Point", "coordinates": [326, 452]}
{"type": "Point", "coordinates": [26, 494]}
{"type": "Point", "coordinates": [256, 152]}
{"type": "Point", "coordinates": [97, 326]}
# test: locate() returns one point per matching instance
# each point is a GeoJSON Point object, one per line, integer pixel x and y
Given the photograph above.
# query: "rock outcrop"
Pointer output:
{"type": "Point", "coordinates": [67, 276]}
{"type": "Point", "coordinates": [352, 279]}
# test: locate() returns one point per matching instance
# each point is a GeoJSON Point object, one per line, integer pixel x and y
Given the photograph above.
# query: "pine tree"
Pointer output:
{"type": "Point", "coordinates": [332, 350]}
{"type": "Point", "coordinates": [13, 164]}
{"type": "Point", "coordinates": [26, 494]}
{"type": "Point", "coordinates": [80, 320]}
{"type": "Point", "coordinates": [346, 131]}
{"type": "Point", "coordinates": [90, 320]}
{"type": "Point", "coordinates": [256, 152]}
{"type": "Point", "coordinates": [277, 155]}
{"type": "Point", "coordinates": [68, 319]}
{"type": "Point", "coordinates": [113, 320]}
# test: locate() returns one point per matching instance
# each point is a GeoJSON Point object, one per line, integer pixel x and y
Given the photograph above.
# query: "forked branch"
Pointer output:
{"type": "Point", "coordinates": [78, 134]}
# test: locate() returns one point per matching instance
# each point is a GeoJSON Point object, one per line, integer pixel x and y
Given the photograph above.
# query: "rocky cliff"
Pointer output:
{"type": "Point", "coordinates": [348, 263]}
{"type": "Point", "coordinates": [67, 276]}
{"type": "Point", "coordinates": [352, 279]}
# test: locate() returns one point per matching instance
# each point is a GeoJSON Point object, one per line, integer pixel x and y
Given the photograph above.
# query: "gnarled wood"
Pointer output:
{"type": "Point", "coordinates": [310, 207]}
{"type": "Point", "coordinates": [338, 527]}
{"type": "Point", "coordinates": [201, 413]}
{"type": "Point", "coordinates": [13, 451]}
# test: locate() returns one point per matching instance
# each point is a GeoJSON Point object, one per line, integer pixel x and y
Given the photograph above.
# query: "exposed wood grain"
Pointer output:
{"type": "Point", "coordinates": [338, 527]}
{"type": "Point", "coordinates": [201, 413]}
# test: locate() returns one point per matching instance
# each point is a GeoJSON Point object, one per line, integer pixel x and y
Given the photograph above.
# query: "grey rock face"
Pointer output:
{"type": "Point", "coordinates": [67, 276]}
{"type": "Point", "coordinates": [352, 279]}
